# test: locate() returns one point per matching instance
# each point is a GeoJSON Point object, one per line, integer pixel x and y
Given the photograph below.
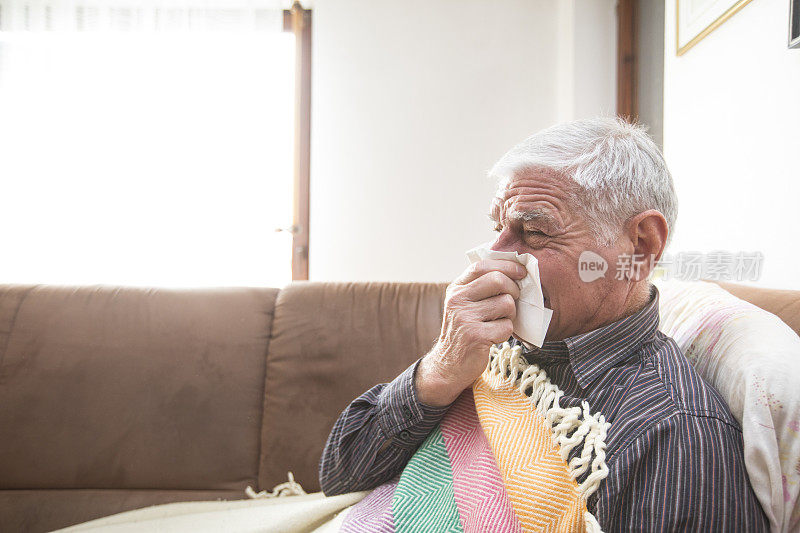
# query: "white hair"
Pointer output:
{"type": "Point", "coordinates": [618, 169]}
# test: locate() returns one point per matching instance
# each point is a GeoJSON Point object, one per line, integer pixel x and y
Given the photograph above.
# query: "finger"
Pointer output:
{"type": "Point", "coordinates": [496, 307]}
{"type": "Point", "coordinates": [491, 284]}
{"type": "Point", "coordinates": [498, 331]}
{"type": "Point", "coordinates": [512, 269]}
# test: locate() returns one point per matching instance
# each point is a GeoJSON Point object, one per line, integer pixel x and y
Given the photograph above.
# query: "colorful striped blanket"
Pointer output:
{"type": "Point", "coordinates": [498, 461]}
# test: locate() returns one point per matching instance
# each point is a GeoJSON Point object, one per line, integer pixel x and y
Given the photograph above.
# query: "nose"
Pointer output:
{"type": "Point", "coordinates": [504, 242]}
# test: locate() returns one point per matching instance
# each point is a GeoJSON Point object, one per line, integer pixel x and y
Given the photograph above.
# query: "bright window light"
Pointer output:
{"type": "Point", "coordinates": [146, 159]}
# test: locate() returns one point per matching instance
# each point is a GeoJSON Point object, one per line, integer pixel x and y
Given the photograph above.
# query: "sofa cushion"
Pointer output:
{"type": "Point", "coordinates": [331, 342]}
{"type": "Point", "coordinates": [753, 359]}
{"type": "Point", "coordinates": [131, 388]}
{"type": "Point", "coordinates": [783, 303]}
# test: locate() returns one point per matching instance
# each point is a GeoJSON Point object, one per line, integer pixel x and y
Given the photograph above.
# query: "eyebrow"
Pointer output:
{"type": "Point", "coordinates": [534, 214]}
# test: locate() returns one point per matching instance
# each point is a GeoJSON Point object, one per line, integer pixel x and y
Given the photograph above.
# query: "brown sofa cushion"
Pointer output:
{"type": "Point", "coordinates": [128, 388]}
{"type": "Point", "coordinates": [118, 398]}
{"type": "Point", "coordinates": [784, 303]}
{"type": "Point", "coordinates": [330, 343]}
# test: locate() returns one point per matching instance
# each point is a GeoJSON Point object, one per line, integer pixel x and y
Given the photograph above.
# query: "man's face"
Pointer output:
{"type": "Point", "coordinates": [535, 213]}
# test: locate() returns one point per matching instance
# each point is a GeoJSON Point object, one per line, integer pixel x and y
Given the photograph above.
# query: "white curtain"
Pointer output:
{"type": "Point", "coordinates": [145, 142]}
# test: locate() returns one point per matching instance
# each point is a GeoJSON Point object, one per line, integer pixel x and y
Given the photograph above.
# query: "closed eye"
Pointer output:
{"type": "Point", "coordinates": [535, 233]}
{"type": "Point", "coordinates": [528, 233]}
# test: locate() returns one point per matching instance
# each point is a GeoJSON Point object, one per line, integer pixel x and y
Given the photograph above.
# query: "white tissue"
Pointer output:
{"type": "Point", "coordinates": [533, 318]}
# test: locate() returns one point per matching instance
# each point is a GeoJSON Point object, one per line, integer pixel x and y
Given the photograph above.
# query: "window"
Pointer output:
{"type": "Point", "coordinates": [143, 145]}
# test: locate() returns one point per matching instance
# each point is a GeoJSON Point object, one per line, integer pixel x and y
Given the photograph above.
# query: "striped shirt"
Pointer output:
{"type": "Point", "coordinates": [674, 451]}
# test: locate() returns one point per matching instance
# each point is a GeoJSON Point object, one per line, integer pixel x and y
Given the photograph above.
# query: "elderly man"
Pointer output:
{"type": "Point", "coordinates": [674, 451]}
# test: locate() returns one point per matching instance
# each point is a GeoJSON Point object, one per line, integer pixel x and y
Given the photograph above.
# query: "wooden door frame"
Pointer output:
{"type": "Point", "coordinates": [627, 101]}
{"type": "Point", "coordinates": [298, 21]}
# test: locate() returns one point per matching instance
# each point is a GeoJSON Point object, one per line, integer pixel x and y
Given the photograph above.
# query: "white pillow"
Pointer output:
{"type": "Point", "coordinates": [753, 359]}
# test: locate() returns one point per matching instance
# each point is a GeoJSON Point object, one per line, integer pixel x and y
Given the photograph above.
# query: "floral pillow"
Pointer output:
{"type": "Point", "coordinates": [753, 359]}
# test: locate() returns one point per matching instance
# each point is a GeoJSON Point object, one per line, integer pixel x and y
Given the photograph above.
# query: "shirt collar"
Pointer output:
{"type": "Point", "coordinates": [591, 354]}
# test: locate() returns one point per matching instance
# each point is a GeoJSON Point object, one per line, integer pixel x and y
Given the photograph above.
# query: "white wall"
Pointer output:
{"type": "Point", "coordinates": [414, 101]}
{"type": "Point", "coordinates": [732, 138]}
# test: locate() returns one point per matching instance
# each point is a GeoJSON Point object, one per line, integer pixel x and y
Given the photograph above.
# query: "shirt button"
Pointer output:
{"type": "Point", "coordinates": [405, 435]}
{"type": "Point", "coordinates": [407, 412]}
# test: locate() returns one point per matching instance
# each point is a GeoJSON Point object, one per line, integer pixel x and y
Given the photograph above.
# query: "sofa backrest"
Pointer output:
{"type": "Point", "coordinates": [151, 395]}
{"type": "Point", "coordinates": [783, 303]}
{"type": "Point", "coordinates": [118, 398]}
{"type": "Point", "coordinates": [330, 343]}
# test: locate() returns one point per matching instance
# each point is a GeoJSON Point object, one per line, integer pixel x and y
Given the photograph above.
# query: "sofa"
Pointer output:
{"type": "Point", "coordinates": [118, 398]}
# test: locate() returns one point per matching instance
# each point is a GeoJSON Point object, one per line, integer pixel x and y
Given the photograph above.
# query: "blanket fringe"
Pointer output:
{"type": "Point", "coordinates": [287, 488]}
{"type": "Point", "coordinates": [590, 523]}
{"type": "Point", "coordinates": [571, 426]}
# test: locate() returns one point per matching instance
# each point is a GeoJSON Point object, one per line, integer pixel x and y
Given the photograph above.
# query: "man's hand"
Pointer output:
{"type": "Point", "coordinates": [478, 309]}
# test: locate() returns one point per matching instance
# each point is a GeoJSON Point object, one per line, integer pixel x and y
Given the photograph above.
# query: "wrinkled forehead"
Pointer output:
{"type": "Point", "coordinates": [534, 192]}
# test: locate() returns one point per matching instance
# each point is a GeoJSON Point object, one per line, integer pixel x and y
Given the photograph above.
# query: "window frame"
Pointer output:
{"type": "Point", "coordinates": [298, 21]}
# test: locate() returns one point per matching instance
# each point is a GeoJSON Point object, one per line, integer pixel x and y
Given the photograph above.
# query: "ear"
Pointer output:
{"type": "Point", "coordinates": [648, 234]}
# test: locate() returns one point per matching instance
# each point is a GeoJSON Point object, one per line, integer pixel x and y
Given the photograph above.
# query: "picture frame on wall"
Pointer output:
{"type": "Point", "coordinates": [794, 23]}
{"type": "Point", "coordinates": [697, 18]}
